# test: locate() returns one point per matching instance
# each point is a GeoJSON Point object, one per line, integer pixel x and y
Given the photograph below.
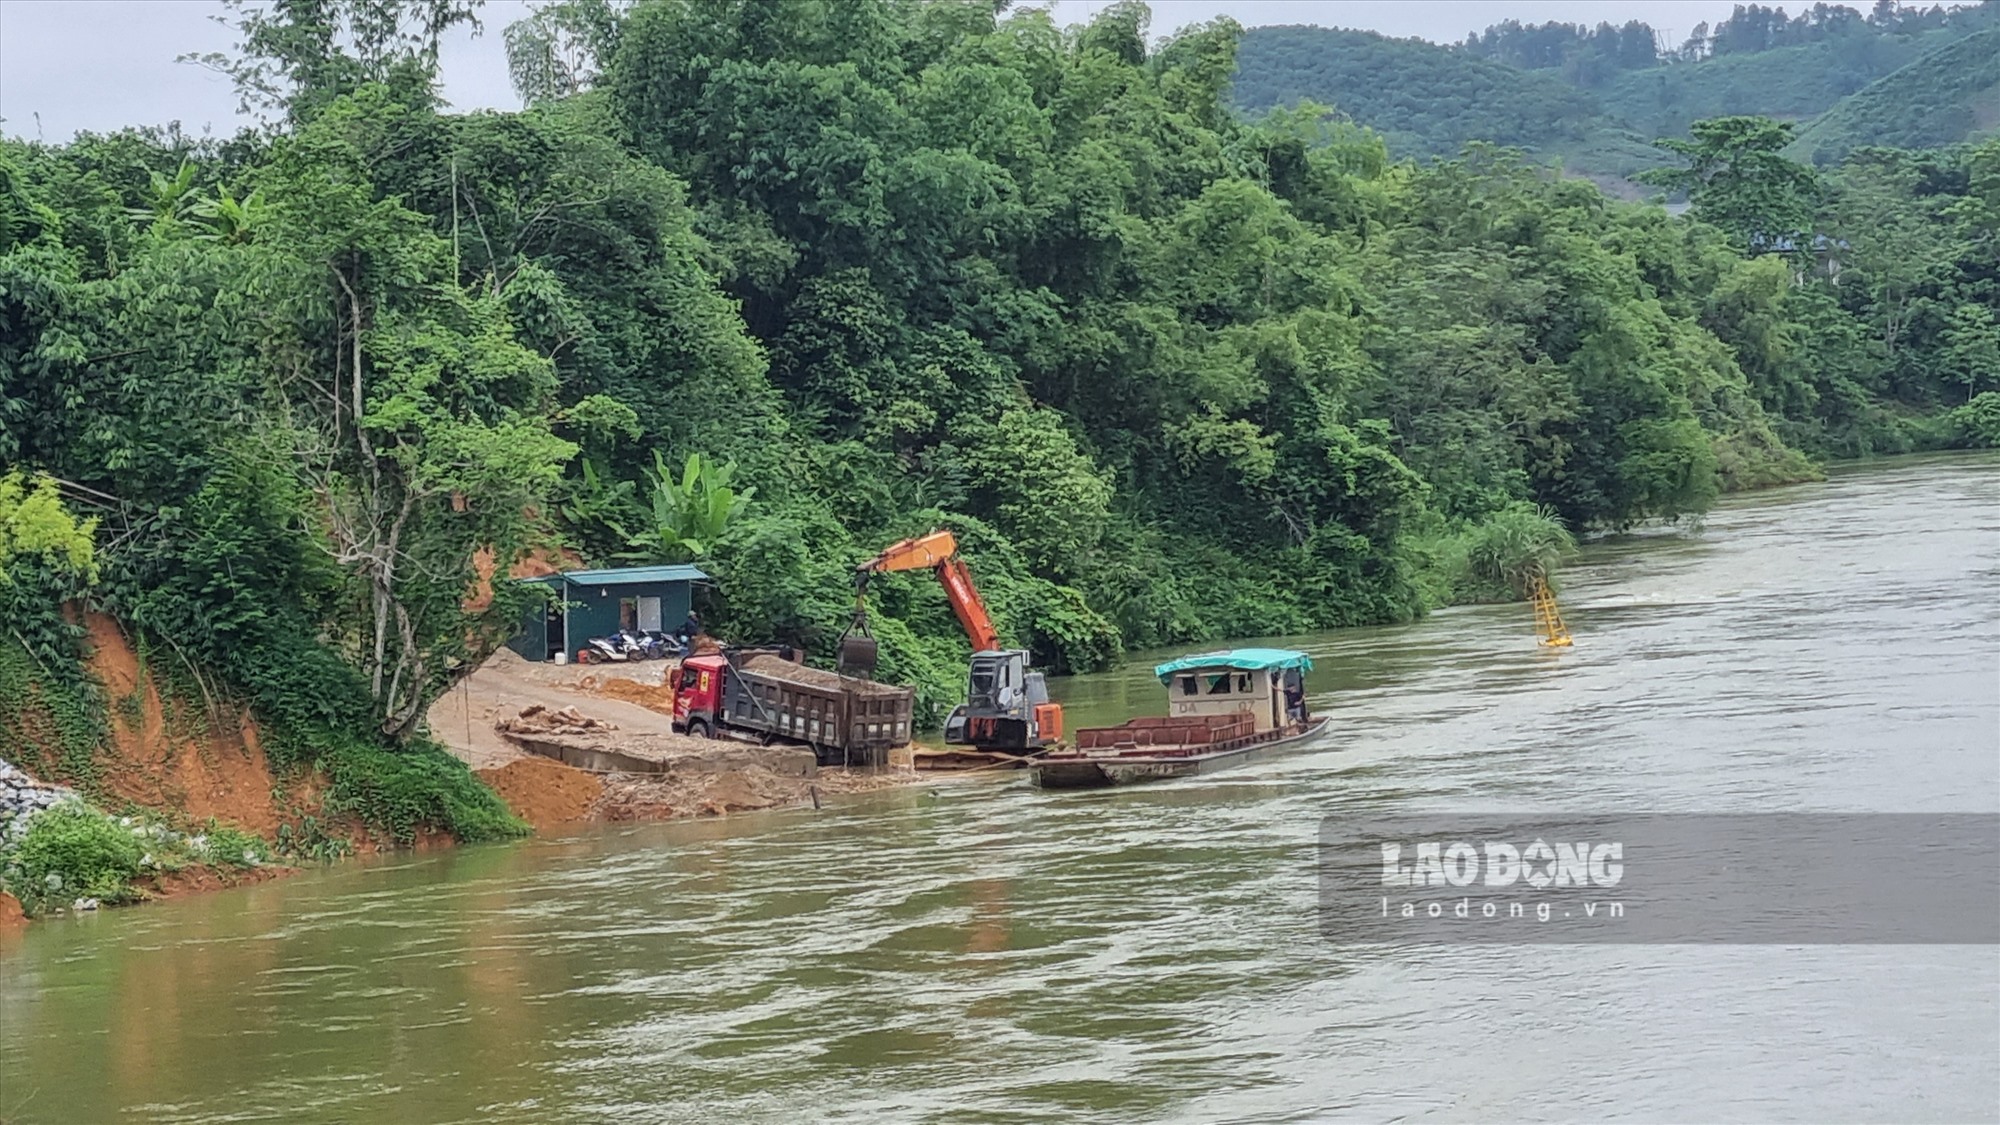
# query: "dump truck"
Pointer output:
{"type": "Point", "coordinates": [765, 695]}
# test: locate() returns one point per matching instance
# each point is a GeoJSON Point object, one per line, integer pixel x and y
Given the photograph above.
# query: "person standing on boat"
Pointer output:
{"type": "Point", "coordinates": [1295, 695]}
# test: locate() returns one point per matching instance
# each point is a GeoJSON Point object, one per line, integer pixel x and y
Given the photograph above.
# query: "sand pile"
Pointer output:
{"type": "Point", "coordinates": [778, 668]}
{"type": "Point", "coordinates": [544, 792]}
{"type": "Point", "coordinates": [466, 719]}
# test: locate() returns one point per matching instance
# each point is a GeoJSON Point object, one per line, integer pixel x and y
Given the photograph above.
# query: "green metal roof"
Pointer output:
{"type": "Point", "coordinates": [1250, 658]}
{"type": "Point", "coordinates": [619, 576]}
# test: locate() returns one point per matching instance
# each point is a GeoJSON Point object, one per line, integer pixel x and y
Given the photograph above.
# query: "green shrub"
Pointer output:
{"type": "Point", "coordinates": [403, 790]}
{"type": "Point", "coordinates": [1503, 553]}
{"type": "Point", "coordinates": [1490, 561]}
{"type": "Point", "coordinates": [234, 847]}
{"type": "Point", "coordinates": [1976, 425]}
{"type": "Point", "coordinates": [73, 851]}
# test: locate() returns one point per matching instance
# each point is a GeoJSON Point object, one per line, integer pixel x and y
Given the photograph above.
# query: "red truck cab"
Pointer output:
{"type": "Point", "coordinates": [698, 696]}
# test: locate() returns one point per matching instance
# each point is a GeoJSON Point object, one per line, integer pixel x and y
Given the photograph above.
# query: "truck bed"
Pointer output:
{"type": "Point", "coordinates": [846, 720]}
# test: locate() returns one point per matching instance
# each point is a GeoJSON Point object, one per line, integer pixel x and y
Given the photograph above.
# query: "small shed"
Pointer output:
{"type": "Point", "coordinates": [592, 603]}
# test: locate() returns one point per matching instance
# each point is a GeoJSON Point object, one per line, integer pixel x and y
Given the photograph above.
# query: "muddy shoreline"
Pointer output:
{"type": "Point", "coordinates": [194, 772]}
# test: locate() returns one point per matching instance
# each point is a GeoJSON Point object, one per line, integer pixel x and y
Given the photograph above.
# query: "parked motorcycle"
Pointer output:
{"type": "Point", "coordinates": [664, 646]}
{"type": "Point", "coordinates": [647, 645]}
{"type": "Point", "coordinates": [611, 649]}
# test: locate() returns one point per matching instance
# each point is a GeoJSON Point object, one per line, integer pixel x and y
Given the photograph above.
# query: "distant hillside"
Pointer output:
{"type": "Point", "coordinates": [1949, 95]}
{"type": "Point", "coordinates": [1789, 83]}
{"type": "Point", "coordinates": [1425, 99]}
{"type": "Point", "coordinates": [1929, 84]}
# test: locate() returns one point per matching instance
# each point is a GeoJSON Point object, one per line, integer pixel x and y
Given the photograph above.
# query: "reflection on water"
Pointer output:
{"type": "Point", "coordinates": [982, 951]}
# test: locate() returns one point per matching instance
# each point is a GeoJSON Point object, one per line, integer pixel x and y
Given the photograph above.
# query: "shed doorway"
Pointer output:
{"type": "Point", "coordinates": [555, 631]}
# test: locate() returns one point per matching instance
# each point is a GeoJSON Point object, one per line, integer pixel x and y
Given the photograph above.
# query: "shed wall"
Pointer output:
{"type": "Point", "coordinates": [595, 613]}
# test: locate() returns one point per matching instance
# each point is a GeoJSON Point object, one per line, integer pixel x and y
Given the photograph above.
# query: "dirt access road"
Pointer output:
{"type": "Point", "coordinates": [632, 697]}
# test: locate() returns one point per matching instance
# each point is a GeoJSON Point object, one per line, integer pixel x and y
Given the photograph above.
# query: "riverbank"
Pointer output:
{"type": "Point", "coordinates": [170, 768]}
{"type": "Point", "coordinates": [550, 795]}
{"type": "Point", "coordinates": [164, 791]}
{"type": "Point", "coordinates": [203, 767]}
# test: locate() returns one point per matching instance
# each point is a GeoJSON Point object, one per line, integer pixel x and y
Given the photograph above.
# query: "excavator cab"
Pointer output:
{"type": "Point", "coordinates": [1006, 706]}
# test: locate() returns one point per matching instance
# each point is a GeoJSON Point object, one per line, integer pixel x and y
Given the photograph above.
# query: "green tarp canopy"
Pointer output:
{"type": "Point", "coordinates": [1253, 659]}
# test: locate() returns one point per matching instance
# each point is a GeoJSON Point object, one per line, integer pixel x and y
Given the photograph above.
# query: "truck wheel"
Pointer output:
{"type": "Point", "coordinates": [698, 728]}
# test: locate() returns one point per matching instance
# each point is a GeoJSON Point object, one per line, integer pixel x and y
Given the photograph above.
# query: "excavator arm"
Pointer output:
{"type": "Point", "coordinates": [937, 551]}
{"type": "Point", "coordinates": [912, 554]}
{"type": "Point", "coordinates": [1007, 705]}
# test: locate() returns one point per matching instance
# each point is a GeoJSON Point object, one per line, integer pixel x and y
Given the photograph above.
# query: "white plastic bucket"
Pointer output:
{"type": "Point", "coordinates": [562, 658]}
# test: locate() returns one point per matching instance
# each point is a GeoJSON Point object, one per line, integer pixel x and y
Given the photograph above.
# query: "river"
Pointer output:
{"type": "Point", "coordinates": [981, 951]}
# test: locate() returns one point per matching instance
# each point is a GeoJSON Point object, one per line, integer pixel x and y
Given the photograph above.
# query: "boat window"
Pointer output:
{"type": "Point", "coordinates": [1218, 683]}
{"type": "Point", "coordinates": [1243, 683]}
{"type": "Point", "coordinates": [1187, 686]}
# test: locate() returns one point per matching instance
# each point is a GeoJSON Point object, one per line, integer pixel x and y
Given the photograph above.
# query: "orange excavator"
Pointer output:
{"type": "Point", "coordinates": [1007, 704]}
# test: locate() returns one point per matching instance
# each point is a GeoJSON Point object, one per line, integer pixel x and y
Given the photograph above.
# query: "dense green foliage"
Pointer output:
{"type": "Point", "coordinates": [1592, 97]}
{"type": "Point", "coordinates": [1791, 83]}
{"type": "Point", "coordinates": [781, 286]}
{"type": "Point", "coordinates": [1594, 57]}
{"type": "Point", "coordinates": [52, 716]}
{"type": "Point", "coordinates": [1736, 176]}
{"type": "Point", "coordinates": [47, 555]}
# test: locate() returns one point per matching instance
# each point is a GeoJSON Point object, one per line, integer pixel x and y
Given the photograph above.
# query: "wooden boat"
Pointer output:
{"type": "Point", "coordinates": [1225, 708]}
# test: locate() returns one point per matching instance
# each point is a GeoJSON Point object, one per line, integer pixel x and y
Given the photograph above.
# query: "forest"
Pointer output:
{"type": "Point", "coordinates": [766, 290]}
{"type": "Point", "coordinates": [1596, 97]}
{"type": "Point", "coordinates": [1592, 56]}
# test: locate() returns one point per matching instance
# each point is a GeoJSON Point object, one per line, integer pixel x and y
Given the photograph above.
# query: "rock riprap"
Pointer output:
{"type": "Point", "coordinates": [21, 797]}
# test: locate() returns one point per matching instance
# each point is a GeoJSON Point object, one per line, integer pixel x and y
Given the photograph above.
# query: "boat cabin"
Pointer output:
{"type": "Point", "coordinates": [1266, 683]}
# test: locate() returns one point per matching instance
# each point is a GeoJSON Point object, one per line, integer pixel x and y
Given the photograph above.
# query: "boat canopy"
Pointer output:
{"type": "Point", "coordinates": [1253, 659]}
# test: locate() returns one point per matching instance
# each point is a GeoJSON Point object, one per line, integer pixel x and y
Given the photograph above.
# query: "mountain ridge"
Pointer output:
{"type": "Point", "coordinates": [1933, 87]}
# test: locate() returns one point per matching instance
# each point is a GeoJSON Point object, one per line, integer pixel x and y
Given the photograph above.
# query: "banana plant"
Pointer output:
{"type": "Point", "coordinates": [689, 512]}
{"type": "Point", "coordinates": [168, 200]}
{"type": "Point", "coordinates": [229, 219]}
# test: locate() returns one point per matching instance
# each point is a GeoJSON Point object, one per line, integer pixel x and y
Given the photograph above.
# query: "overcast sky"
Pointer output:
{"type": "Point", "coordinates": [69, 65]}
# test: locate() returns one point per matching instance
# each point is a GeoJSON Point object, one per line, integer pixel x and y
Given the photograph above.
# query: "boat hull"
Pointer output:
{"type": "Point", "coordinates": [1098, 770]}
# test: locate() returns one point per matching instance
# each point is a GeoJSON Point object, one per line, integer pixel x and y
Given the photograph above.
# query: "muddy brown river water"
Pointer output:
{"type": "Point", "coordinates": [981, 951]}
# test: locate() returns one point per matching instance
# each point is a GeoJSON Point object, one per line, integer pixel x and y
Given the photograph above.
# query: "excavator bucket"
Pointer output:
{"type": "Point", "coordinates": [856, 652]}
{"type": "Point", "coordinates": [857, 656]}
